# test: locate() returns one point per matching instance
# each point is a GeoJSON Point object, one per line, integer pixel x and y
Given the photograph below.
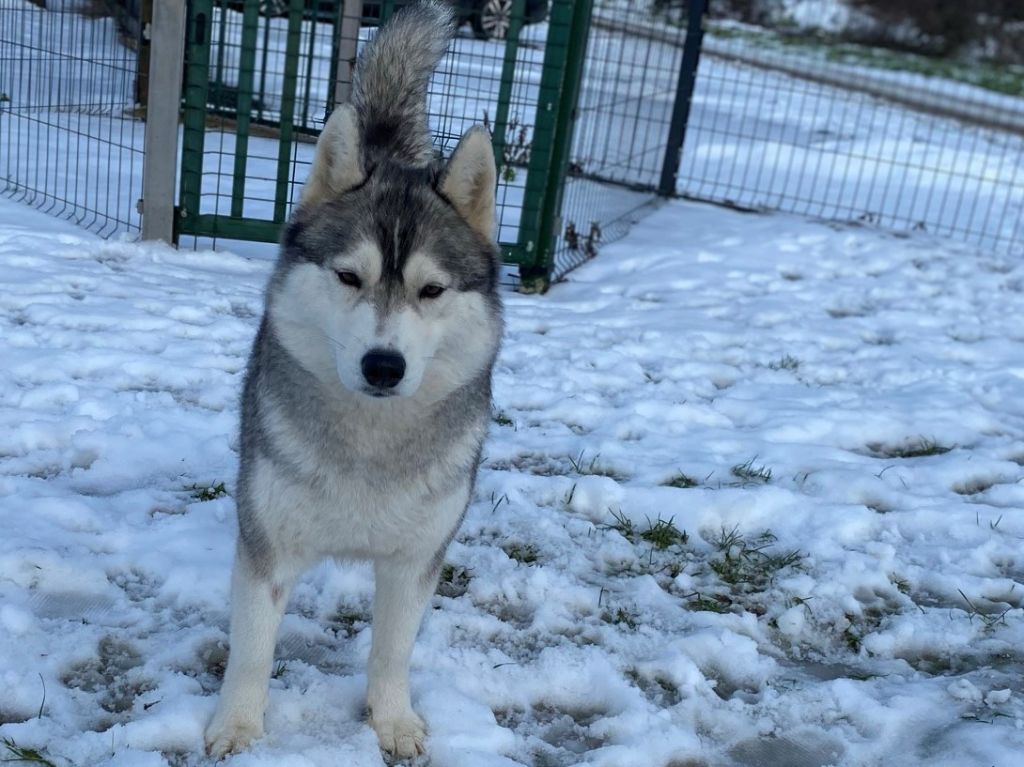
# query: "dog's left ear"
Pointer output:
{"type": "Point", "coordinates": [469, 180]}
{"type": "Point", "coordinates": [337, 164]}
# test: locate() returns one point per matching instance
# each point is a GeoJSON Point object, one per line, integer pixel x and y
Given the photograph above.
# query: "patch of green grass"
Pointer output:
{"type": "Point", "coordinates": [918, 448]}
{"type": "Point", "coordinates": [204, 493]}
{"type": "Point", "coordinates": [524, 553]}
{"type": "Point", "coordinates": [992, 77]}
{"type": "Point", "coordinates": [785, 362]}
{"type": "Point", "coordinates": [620, 617]}
{"type": "Point", "coordinates": [852, 639]}
{"type": "Point", "coordinates": [750, 473]}
{"type": "Point", "coordinates": [502, 419]}
{"type": "Point", "coordinates": [999, 78]}
{"type": "Point", "coordinates": [747, 563]}
{"type": "Point", "coordinates": [713, 603]}
{"type": "Point", "coordinates": [24, 755]}
{"type": "Point", "coordinates": [347, 621]}
{"type": "Point", "coordinates": [663, 534]}
{"type": "Point", "coordinates": [623, 524]}
{"type": "Point", "coordinates": [580, 465]}
{"type": "Point", "coordinates": [675, 568]}
{"type": "Point", "coordinates": [902, 584]}
{"type": "Point", "coordinates": [680, 480]}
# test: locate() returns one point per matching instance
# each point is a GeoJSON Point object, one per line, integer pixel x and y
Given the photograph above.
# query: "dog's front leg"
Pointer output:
{"type": "Point", "coordinates": [403, 587]}
{"type": "Point", "coordinates": [257, 605]}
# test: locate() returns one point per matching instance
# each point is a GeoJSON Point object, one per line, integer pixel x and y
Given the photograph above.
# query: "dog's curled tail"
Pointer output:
{"type": "Point", "coordinates": [391, 79]}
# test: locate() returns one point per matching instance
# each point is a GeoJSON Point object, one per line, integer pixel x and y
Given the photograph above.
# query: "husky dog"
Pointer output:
{"type": "Point", "coordinates": [368, 391]}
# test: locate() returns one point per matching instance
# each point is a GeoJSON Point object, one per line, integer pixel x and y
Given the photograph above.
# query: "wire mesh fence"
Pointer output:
{"type": "Point", "coordinates": [626, 103]}
{"type": "Point", "coordinates": [853, 133]}
{"type": "Point", "coordinates": [70, 134]}
{"type": "Point", "coordinates": [259, 90]}
{"type": "Point", "coordinates": [582, 99]}
{"type": "Point", "coordinates": [251, 49]}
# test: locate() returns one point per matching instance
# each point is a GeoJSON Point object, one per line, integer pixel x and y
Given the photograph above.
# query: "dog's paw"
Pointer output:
{"type": "Point", "coordinates": [401, 736]}
{"type": "Point", "coordinates": [230, 733]}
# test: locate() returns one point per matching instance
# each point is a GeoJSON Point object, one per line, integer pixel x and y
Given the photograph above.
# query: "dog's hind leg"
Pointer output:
{"type": "Point", "coordinates": [403, 587]}
{"type": "Point", "coordinates": [257, 605]}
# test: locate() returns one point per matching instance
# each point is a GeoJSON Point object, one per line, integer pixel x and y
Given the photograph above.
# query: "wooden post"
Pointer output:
{"type": "Point", "coordinates": [160, 165]}
{"type": "Point", "coordinates": [348, 42]}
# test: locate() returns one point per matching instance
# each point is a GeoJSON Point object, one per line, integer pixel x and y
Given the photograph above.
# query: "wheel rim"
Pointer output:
{"type": "Point", "coordinates": [496, 18]}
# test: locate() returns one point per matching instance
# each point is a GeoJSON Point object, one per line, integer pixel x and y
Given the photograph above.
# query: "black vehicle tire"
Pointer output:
{"type": "Point", "coordinates": [492, 19]}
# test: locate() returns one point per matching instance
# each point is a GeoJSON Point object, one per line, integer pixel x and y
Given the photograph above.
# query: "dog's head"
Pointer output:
{"type": "Point", "coordinates": [387, 281]}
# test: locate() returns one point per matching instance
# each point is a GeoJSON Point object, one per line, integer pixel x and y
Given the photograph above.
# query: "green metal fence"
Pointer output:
{"type": "Point", "coordinates": [578, 107]}
{"type": "Point", "coordinates": [587, 110]}
{"type": "Point", "coordinates": [632, 103]}
{"type": "Point", "coordinates": [259, 84]}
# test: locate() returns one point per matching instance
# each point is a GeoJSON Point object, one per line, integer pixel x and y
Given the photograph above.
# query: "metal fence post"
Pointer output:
{"type": "Point", "coordinates": [296, 10]}
{"type": "Point", "coordinates": [160, 164]}
{"type": "Point", "coordinates": [684, 95]}
{"type": "Point", "coordinates": [508, 74]}
{"type": "Point", "coordinates": [197, 87]}
{"type": "Point", "coordinates": [246, 75]}
{"type": "Point", "coordinates": [562, 73]}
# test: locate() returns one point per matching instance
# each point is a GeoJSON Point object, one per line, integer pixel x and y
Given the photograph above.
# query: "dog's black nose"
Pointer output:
{"type": "Point", "coordinates": [383, 369]}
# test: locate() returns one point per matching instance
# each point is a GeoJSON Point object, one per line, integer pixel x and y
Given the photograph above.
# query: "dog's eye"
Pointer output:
{"type": "Point", "coordinates": [350, 278]}
{"type": "Point", "coordinates": [431, 291]}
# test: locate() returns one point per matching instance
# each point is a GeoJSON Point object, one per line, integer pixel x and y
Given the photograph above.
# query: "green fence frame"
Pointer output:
{"type": "Point", "coordinates": [561, 75]}
{"type": "Point", "coordinates": [551, 138]}
{"type": "Point", "coordinates": [196, 98]}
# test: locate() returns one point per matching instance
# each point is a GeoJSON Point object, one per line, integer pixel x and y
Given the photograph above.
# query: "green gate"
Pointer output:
{"type": "Point", "coordinates": [261, 76]}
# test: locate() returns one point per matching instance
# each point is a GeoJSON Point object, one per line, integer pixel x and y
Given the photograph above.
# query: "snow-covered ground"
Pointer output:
{"type": "Point", "coordinates": [842, 584]}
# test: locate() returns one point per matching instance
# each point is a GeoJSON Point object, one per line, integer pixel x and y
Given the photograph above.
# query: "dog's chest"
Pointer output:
{"type": "Point", "coordinates": [356, 491]}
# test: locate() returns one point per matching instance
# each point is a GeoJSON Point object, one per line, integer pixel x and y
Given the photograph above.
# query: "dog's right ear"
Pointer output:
{"type": "Point", "coordinates": [337, 165]}
{"type": "Point", "coordinates": [469, 180]}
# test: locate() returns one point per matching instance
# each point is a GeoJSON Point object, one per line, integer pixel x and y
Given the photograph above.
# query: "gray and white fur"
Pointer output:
{"type": "Point", "coordinates": [367, 395]}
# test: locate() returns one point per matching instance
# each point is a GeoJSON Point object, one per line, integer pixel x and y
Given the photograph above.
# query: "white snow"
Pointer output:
{"type": "Point", "coordinates": [704, 341]}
